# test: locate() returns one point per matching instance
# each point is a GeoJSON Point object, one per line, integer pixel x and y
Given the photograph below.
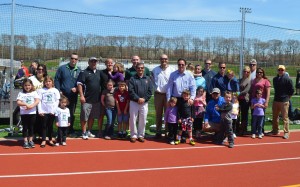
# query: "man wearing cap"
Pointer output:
{"type": "Point", "coordinates": [253, 66]}
{"type": "Point", "coordinates": [212, 117]}
{"type": "Point", "coordinates": [89, 88]}
{"type": "Point", "coordinates": [66, 82]}
{"type": "Point", "coordinates": [283, 87]}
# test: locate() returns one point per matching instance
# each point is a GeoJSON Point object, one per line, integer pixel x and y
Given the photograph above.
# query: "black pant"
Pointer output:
{"type": "Point", "coordinates": [47, 126]}
{"type": "Point", "coordinates": [234, 125]}
{"type": "Point", "coordinates": [28, 121]}
{"type": "Point", "coordinates": [198, 124]}
{"type": "Point", "coordinates": [62, 134]}
{"type": "Point", "coordinates": [72, 108]}
{"type": "Point", "coordinates": [172, 129]}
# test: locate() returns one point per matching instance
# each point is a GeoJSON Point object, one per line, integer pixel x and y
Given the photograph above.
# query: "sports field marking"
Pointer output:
{"type": "Point", "coordinates": [294, 185]}
{"type": "Point", "coordinates": [149, 169]}
{"type": "Point", "coordinates": [140, 150]}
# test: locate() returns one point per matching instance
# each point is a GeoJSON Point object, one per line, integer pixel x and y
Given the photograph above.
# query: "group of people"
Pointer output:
{"type": "Point", "coordinates": [187, 100]}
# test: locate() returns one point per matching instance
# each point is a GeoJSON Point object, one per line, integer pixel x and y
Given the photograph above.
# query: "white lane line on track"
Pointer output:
{"type": "Point", "coordinates": [140, 150]}
{"type": "Point", "coordinates": [150, 169]}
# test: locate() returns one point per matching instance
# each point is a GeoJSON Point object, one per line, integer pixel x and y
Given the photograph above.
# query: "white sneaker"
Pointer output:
{"type": "Point", "coordinates": [84, 136]}
{"type": "Point", "coordinates": [225, 140]}
{"type": "Point", "coordinates": [172, 143]}
{"type": "Point", "coordinates": [234, 136]}
{"type": "Point", "coordinates": [57, 144]}
{"type": "Point", "coordinates": [64, 143]}
{"type": "Point", "coordinates": [90, 135]}
{"type": "Point", "coordinates": [107, 138]}
{"type": "Point", "coordinates": [253, 136]}
{"type": "Point", "coordinates": [260, 136]}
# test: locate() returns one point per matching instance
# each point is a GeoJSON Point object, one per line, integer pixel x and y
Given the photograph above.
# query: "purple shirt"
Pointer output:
{"type": "Point", "coordinates": [117, 77]}
{"type": "Point", "coordinates": [171, 115]}
{"type": "Point", "coordinates": [258, 111]}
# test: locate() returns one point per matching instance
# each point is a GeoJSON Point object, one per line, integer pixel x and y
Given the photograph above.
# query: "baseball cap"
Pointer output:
{"type": "Point", "coordinates": [216, 90]}
{"type": "Point", "coordinates": [253, 61]}
{"type": "Point", "coordinates": [93, 58]}
{"type": "Point", "coordinates": [281, 67]}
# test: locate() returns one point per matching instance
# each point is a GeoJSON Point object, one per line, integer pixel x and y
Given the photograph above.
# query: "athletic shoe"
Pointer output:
{"type": "Point", "coordinates": [57, 144]}
{"type": "Point", "coordinates": [90, 135]}
{"type": "Point", "coordinates": [26, 145]}
{"type": "Point", "coordinates": [273, 132]}
{"type": "Point", "coordinates": [84, 136]}
{"type": "Point", "coordinates": [31, 144]}
{"type": "Point", "coordinates": [132, 140]}
{"type": "Point", "coordinates": [177, 142]}
{"type": "Point", "coordinates": [140, 139]}
{"type": "Point", "coordinates": [260, 136]}
{"type": "Point", "coordinates": [225, 140]}
{"type": "Point", "coordinates": [192, 142]}
{"type": "Point", "coordinates": [172, 142]}
{"type": "Point", "coordinates": [286, 136]}
{"type": "Point", "coordinates": [231, 145]}
{"type": "Point", "coordinates": [253, 136]}
{"type": "Point", "coordinates": [64, 143]}
{"type": "Point", "coordinates": [107, 138]}
{"type": "Point", "coordinates": [234, 135]}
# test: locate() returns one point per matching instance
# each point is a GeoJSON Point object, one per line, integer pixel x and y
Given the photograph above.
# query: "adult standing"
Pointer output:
{"type": "Point", "coordinates": [208, 74]}
{"type": "Point", "coordinates": [220, 80]}
{"type": "Point", "coordinates": [65, 81]}
{"type": "Point", "coordinates": [132, 71]}
{"type": "Point", "coordinates": [253, 67]}
{"type": "Point", "coordinates": [140, 91]}
{"type": "Point", "coordinates": [261, 82]}
{"type": "Point", "coordinates": [212, 117]}
{"type": "Point", "coordinates": [283, 87]}
{"type": "Point", "coordinates": [105, 76]}
{"type": "Point", "coordinates": [160, 77]}
{"type": "Point", "coordinates": [89, 88]}
{"type": "Point", "coordinates": [245, 85]}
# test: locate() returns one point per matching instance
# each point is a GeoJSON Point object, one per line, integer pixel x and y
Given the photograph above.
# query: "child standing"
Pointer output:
{"type": "Point", "coordinates": [171, 120]}
{"type": "Point", "coordinates": [62, 117]}
{"type": "Point", "coordinates": [185, 115]}
{"type": "Point", "coordinates": [199, 79]}
{"type": "Point", "coordinates": [235, 113]}
{"type": "Point", "coordinates": [122, 102]}
{"type": "Point", "coordinates": [199, 108]}
{"type": "Point", "coordinates": [28, 99]}
{"type": "Point", "coordinates": [226, 121]}
{"type": "Point", "coordinates": [108, 101]}
{"type": "Point", "coordinates": [258, 106]}
{"type": "Point", "coordinates": [118, 73]}
{"type": "Point", "coordinates": [46, 108]}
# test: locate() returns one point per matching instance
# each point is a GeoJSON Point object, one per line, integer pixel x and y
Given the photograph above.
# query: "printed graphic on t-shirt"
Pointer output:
{"type": "Point", "coordinates": [48, 98]}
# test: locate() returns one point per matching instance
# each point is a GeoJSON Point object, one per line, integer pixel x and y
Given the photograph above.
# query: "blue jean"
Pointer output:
{"type": "Point", "coordinates": [257, 123]}
{"type": "Point", "coordinates": [111, 116]}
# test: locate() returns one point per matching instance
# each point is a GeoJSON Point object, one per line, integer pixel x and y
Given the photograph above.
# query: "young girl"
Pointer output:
{"type": "Point", "coordinates": [171, 120]}
{"type": "Point", "coordinates": [258, 106]}
{"type": "Point", "coordinates": [62, 117]}
{"type": "Point", "coordinates": [235, 113]}
{"type": "Point", "coordinates": [122, 102]}
{"type": "Point", "coordinates": [199, 109]}
{"type": "Point", "coordinates": [28, 99]}
{"type": "Point", "coordinates": [108, 101]}
{"type": "Point", "coordinates": [47, 107]}
{"type": "Point", "coordinates": [118, 73]}
{"type": "Point", "coordinates": [185, 115]}
{"type": "Point", "coordinates": [199, 79]}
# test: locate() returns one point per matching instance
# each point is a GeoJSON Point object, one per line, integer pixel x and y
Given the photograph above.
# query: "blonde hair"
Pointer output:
{"type": "Point", "coordinates": [172, 99]}
{"type": "Point", "coordinates": [190, 67]}
{"type": "Point", "coordinates": [229, 72]}
{"type": "Point", "coordinates": [120, 67]}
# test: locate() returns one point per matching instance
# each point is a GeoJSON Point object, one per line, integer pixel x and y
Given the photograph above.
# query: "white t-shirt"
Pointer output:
{"type": "Point", "coordinates": [161, 78]}
{"type": "Point", "coordinates": [36, 83]}
{"type": "Point", "coordinates": [49, 100]}
{"type": "Point", "coordinates": [29, 99]}
{"type": "Point", "coordinates": [62, 115]}
{"type": "Point", "coordinates": [235, 109]}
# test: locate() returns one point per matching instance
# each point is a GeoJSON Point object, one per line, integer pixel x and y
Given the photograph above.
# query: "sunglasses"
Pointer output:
{"type": "Point", "coordinates": [246, 71]}
{"type": "Point", "coordinates": [140, 68]}
{"type": "Point", "coordinates": [181, 64]}
{"type": "Point", "coordinates": [222, 67]}
{"type": "Point", "coordinates": [208, 63]}
{"type": "Point", "coordinates": [40, 69]}
{"type": "Point", "coordinates": [252, 64]}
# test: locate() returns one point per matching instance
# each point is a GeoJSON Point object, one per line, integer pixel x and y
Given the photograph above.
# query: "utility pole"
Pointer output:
{"type": "Point", "coordinates": [243, 11]}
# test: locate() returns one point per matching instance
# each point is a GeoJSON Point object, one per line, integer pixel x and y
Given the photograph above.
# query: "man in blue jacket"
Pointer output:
{"type": "Point", "coordinates": [65, 81]}
{"type": "Point", "coordinates": [212, 116]}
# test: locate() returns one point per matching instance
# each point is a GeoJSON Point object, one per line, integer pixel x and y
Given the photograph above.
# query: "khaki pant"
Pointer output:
{"type": "Point", "coordinates": [160, 103]}
{"type": "Point", "coordinates": [283, 108]}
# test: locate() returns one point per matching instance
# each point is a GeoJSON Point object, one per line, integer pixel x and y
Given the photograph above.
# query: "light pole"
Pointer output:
{"type": "Point", "coordinates": [243, 11]}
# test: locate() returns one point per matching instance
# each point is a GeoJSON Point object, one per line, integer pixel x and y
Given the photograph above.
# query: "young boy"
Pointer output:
{"type": "Point", "coordinates": [226, 121]}
{"type": "Point", "coordinates": [185, 116]}
{"type": "Point", "coordinates": [122, 103]}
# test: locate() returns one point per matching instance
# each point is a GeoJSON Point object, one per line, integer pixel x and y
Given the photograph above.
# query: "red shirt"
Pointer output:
{"type": "Point", "coordinates": [122, 99]}
{"type": "Point", "coordinates": [263, 84]}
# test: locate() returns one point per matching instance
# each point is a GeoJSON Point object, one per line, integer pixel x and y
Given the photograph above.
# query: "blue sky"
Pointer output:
{"type": "Point", "coordinates": [280, 13]}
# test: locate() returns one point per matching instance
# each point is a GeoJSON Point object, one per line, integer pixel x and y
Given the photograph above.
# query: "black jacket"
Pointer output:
{"type": "Point", "coordinates": [283, 87]}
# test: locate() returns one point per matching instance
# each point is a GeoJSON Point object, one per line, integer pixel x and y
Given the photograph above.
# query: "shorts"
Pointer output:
{"type": "Point", "coordinates": [89, 110]}
{"type": "Point", "coordinates": [123, 118]}
{"type": "Point", "coordinates": [186, 124]}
